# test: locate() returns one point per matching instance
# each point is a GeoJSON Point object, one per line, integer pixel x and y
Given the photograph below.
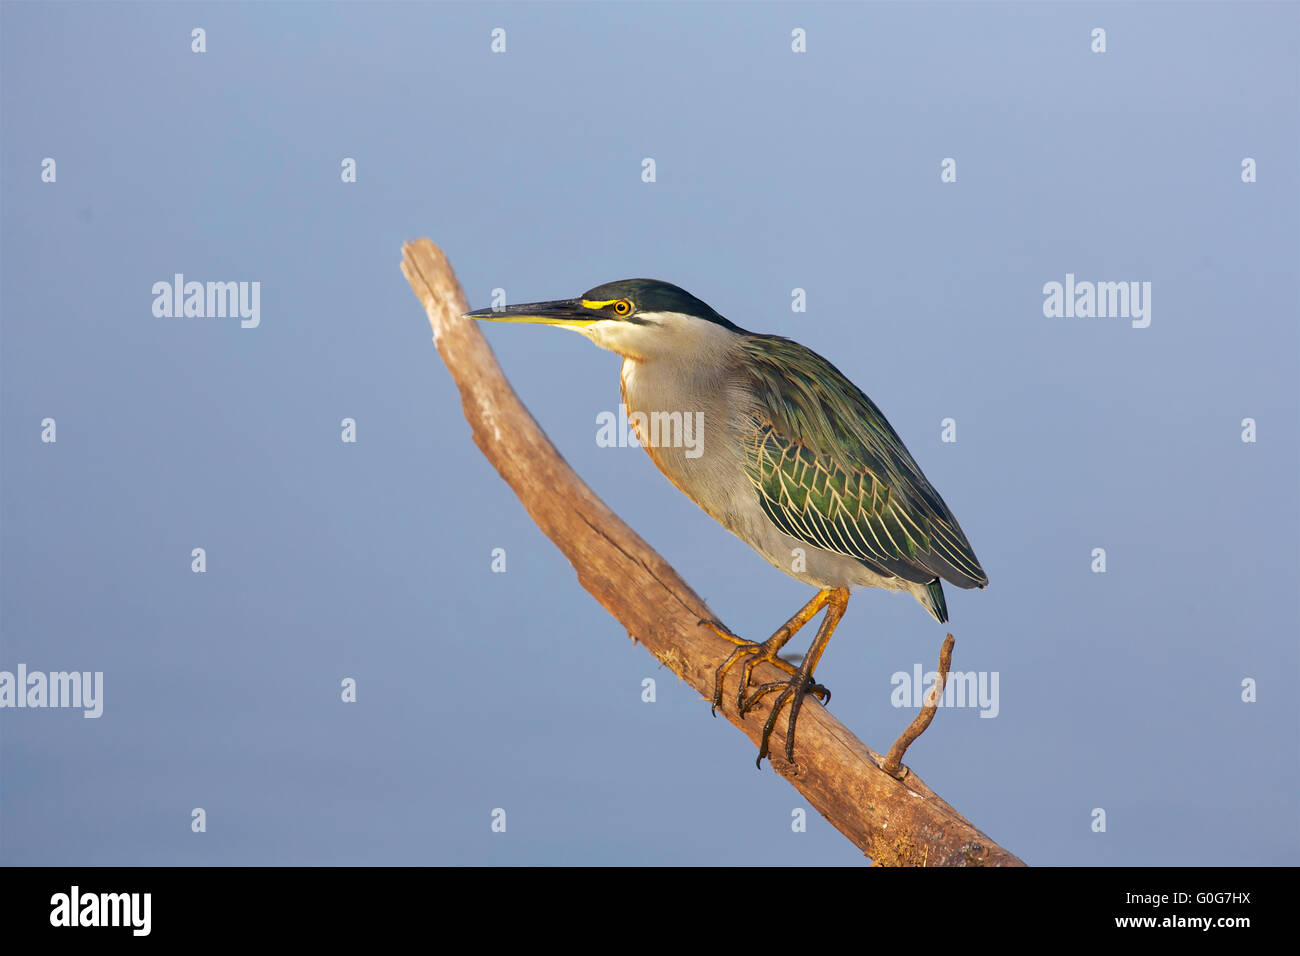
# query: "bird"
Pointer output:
{"type": "Point", "coordinates": [791, 457]}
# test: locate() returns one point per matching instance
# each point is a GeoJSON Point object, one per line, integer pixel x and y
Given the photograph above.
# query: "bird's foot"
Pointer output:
{"type": "Point", "coordinates": [755, 652]}
{"type": "Point", "coordinates": [793, 691]}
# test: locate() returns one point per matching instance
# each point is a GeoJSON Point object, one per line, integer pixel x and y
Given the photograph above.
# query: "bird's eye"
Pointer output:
{"type": "Point", "coordinates": [622, 307]}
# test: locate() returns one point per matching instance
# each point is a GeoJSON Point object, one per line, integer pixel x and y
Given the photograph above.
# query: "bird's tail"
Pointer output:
{"type": "Point", "coordinates": [931, 598]}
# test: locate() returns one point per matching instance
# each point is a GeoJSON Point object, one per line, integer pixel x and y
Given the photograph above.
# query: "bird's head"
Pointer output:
{"type": "Point", "coordinates": [637, 318]}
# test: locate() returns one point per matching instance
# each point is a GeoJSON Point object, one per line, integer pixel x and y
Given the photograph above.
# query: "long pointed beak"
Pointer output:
{"type": "Point", "coordinates": [569, 312]}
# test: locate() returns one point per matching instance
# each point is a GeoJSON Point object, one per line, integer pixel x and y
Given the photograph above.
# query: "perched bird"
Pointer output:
{"type": "Point", "coordinates": [794, 459]}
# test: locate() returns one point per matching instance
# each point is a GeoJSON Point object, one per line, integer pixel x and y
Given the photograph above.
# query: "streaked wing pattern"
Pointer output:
{"type": "Point", "coordinates": [830, 471]}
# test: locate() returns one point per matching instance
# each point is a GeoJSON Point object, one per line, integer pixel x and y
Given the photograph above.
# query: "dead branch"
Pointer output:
{"type": "Point", "coordinates": [891, 821]}
{"type": "Point", "coordinates": [894, 759]}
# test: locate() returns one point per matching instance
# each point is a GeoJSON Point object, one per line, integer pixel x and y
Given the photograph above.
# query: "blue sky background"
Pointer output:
{"type": "Point", "coordinates": [775, 170]}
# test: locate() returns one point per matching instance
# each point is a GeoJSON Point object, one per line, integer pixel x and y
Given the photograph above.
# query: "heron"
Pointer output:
{"type": "Point", "coordinates": [795, 460]}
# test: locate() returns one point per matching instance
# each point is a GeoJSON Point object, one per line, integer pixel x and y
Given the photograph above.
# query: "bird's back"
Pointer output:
{"type": "Point", "coordinates": [830, 470]}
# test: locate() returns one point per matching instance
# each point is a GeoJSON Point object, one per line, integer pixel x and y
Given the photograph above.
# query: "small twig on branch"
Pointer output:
{"type": "Point", "coordinates": [894, 823]}
{"type": "Point", "coordinates": [894, 759]}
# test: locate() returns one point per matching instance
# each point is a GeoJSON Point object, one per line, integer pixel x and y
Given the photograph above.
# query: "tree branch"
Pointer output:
{"type": "Point", "coordinates": [894, 759]}
{"type": "Point", "coordinates": [901, 823]}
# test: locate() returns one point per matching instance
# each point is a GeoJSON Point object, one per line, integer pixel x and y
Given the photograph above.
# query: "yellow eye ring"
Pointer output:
{"type": "Point", "coordinates": [622, 307]}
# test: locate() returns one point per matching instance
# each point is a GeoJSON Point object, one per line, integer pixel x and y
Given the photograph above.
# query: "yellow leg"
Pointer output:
{"type": "Point", "coordinates": [801, 684]}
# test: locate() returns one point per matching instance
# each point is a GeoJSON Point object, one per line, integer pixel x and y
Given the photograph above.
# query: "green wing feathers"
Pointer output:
{"type": "Point", "coordinates": [830, 471]}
